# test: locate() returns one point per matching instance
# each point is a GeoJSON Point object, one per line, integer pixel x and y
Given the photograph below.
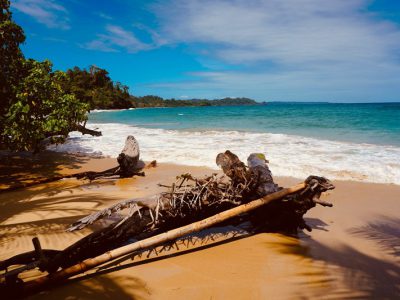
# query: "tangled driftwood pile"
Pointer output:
{"type": "Point", "coordinates": [189, 204]}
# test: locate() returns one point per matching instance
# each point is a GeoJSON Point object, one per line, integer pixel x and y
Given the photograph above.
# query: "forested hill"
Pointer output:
{"type": "Point", "coordinates": [95, 87]}
{"type": "Point", "coordinates": [155, 101]}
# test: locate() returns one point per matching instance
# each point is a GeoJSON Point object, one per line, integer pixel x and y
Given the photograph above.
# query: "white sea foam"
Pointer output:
{"type": "Point", "coordinates": [288, 155]}
{"type": "Point", "coordinates": [108, 110]}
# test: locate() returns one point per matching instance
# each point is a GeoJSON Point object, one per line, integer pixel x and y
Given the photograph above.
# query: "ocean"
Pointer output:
{"type": "Point", "coordinates": [340, 141]}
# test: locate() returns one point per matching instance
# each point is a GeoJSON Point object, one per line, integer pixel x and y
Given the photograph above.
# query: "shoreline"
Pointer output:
{"type": "Point", "coordinates": [353, 250]}
{"type": "Point", "coordinates": [65, 163]}
{"type": "Point", "coordinates": [133, 108]}
{"type": "Point", "coordinates": [290, 155]}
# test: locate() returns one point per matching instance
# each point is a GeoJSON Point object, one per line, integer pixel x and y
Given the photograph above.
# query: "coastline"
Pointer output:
{"type": "Point", "coordinates": [353, 250]}
{"type": "Point", "coordinates": [289, 155]}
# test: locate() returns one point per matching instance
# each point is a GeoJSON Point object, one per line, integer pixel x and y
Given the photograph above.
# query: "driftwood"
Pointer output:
{"type": "Point", "coordinates": [82, 129]}
{"type": "Point", "coordinates": [76, 127]}
{"type": "Point", "coordinates": [128, 166]}
{"type": "Point", "coordinates": [158, 239]}
{"type": "Point", "coordinates": [188, 200]}
{"type": "Point", "coordinates": [129, 157]}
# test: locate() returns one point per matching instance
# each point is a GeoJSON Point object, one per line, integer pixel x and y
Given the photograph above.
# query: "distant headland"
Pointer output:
{"type": "Point", "coordinates": [94, 86]}
{"type": "Point", "coordinates": [155, 101]}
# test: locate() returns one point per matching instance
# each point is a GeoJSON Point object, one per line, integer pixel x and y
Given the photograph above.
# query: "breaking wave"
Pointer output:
{"type": "Point", "coordinates": [289, 155]}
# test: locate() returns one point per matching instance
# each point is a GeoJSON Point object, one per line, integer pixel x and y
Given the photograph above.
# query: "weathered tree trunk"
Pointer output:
{"type": "Point", "coordinates": [256, 175]}
{"type": "Point", "coordinates": [129, 157]}
{"type": "Point", "coordinates": [265, 185]}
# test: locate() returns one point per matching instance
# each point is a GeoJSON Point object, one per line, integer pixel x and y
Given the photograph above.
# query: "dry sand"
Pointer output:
{"type": "Point", "coordinates": [352, 252]}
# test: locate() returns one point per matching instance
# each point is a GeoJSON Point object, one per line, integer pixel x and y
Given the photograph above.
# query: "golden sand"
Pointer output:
{"type": "Point", "coordinates": [352, 252]}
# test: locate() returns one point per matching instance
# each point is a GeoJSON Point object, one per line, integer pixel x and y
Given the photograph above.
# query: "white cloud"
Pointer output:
{"type": "Point", "coordinates": [53, 39]}
{"type": "Point", "coordinates": [289, 31]}
{"type": "Point", "coordinates": [289, 47]}
{"type": "Point", "coordinates": [47, 12]}
{"type": "Point", "coordinates": [156, 39]}
{"type": "Point", "coordinates": [99, 45]}
{"type": "Point", "coordinates": [103, 15]}
{"type": "Point", "coordinates": [115, 39]}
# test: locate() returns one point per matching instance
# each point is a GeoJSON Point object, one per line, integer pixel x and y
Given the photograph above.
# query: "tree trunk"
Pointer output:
{"type": "Point", "coordinates": [257, 164]}
{"type": "Point", "coordinates": [84, 130]}
{"type": "Point", "coordinates": [129, 158]}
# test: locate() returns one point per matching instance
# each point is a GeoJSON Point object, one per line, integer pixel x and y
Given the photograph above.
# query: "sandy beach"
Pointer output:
{"type": "Point", "coordinates": [116, 116]}
{"type": "Point", "coordinates": [352, 252]}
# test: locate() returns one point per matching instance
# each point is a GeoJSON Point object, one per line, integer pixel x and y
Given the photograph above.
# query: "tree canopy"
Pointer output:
{"type": "Point", "coordinates": [95, 87]}
{"type": "Point", "coordinates": [11, 58]}
{"type": "Point", "coordinates": [34, 104]}
{"type": "Point", "coordinates": [42, 108]}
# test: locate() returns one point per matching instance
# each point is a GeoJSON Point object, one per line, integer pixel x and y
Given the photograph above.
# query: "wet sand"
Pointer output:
{"type": "Point", "coordinates": [352, 252]}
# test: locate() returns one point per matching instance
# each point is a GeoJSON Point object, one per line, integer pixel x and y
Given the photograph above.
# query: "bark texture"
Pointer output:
{"type": "Point", "coordinates": [129, 157]}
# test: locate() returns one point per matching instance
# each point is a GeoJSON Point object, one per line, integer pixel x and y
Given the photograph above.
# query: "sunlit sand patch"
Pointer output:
{"type": "Point", "coordinates": [338, 265]}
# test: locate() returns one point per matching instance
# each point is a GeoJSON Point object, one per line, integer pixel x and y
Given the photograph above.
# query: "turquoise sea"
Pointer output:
{"type": "Point", "coordinates": [341, 141]}
{"type": "Point", "coordinates": [363, 123]}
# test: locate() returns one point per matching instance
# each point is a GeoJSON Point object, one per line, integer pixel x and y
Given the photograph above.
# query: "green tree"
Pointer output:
{"type": "Point", "coordinates": [34, 105]}
{"type": "Point", "coordinates": [42, 108]}
{"type": "Point", "coordinates": [96, 88]}
{"type": "Point", "coordinates": [11, 58]}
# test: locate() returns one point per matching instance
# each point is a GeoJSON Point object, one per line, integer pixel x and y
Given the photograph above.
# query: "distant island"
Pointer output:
{"type": "Point", "coordinates": [95, 87]}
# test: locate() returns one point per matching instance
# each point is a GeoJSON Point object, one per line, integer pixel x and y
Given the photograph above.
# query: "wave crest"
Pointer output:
{"type": "Point", "coordinates": [289, 155]}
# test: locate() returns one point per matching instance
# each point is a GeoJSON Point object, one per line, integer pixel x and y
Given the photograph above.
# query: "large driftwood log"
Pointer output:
{"type": "Point", "coordinates": [158, 239]}
{"type": "Point", "coordinates": [256, 175]}
{"type": "Point", "coordinates": [129, 157]}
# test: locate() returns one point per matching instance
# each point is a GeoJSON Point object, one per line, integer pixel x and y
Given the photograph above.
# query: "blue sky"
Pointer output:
{"type": "Point", "coordinates": [271, 50]}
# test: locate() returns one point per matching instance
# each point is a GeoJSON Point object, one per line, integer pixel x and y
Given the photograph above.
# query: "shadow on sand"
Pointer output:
{"type": "Point", "coordinates": [51, 208]}
{"type": "Point", "coordinates": [342, 270]}
{"type": "Point", "coordinates": [44, 198]}
{"type": "Point", "coordinates": [369, 277]}
{"type": "Point", "coordinates": [100, 288]}
{"type": "Point", "coordinates": [23, 167]}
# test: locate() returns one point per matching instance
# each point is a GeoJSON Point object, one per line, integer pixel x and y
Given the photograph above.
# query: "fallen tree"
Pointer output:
{"type": "Point", "coordinates": [82, 129]}
{"type": "Point", "coordinates": [189, 205]}
{"type": "Point", "coordinates": [128, 165]}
